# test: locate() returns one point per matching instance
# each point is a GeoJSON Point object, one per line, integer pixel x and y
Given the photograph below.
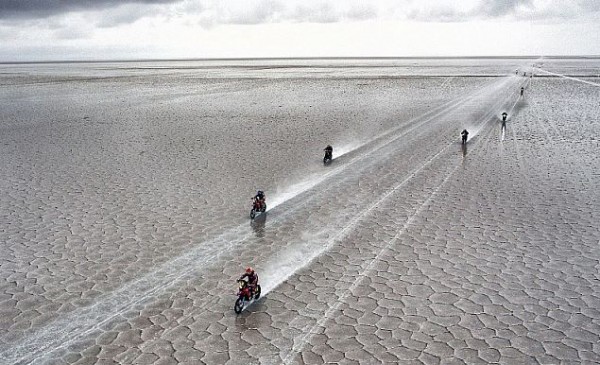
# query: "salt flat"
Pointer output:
{"type": "Point", "coordinates": [126, 191]}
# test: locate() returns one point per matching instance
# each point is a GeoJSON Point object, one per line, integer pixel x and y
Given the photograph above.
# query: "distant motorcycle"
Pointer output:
{"type": "Point", "coordinates": [464, 134]}
{"type": "Point", "coordinates": [245, 296]}
{"type": "Point", "coordinates": [328, 155]}
{"type": "Point", "coordinates": [258, 206]}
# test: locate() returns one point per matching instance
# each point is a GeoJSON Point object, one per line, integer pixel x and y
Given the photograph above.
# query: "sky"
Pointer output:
{"type": "Point", "coordinates": [39, 30]}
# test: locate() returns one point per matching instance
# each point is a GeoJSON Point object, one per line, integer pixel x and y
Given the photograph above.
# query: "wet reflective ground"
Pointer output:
{"type": "Point", "coordinates": [126, 200]}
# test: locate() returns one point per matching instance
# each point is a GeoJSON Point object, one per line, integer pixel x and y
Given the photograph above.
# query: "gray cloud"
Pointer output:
{"type": "Point", "coordinates": [590, 5]}
{"type": "Point", "coordinates": [439, 14]}
{"type": "Point", "coordinates": [445, 12]}
{"type": "Point", "coordinates": [266, 11]}
{"type": "Point", "coordinates": [497, 8]}
{"type": "Point", "coordinates": [125, 14]}
{"type": "Point", "coordinates": [275, 11]}
{"type": "Point", "coordinates": [70, 33]}
{"type": "Point", "coordinates": [325, 13]}
{"type": "Point", "coordinates": [31, 9]}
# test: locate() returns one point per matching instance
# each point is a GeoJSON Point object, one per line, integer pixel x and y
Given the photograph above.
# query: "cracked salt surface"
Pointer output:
{"type": "Point", "coordinates": [126, 216]}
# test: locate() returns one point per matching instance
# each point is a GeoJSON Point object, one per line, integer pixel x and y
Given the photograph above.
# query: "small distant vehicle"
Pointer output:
{"type": "Point", "coordinates": [522, 90]}
{"type": "Point", "coordinates": [245, 295]}
{"type": "Point", "coordinates": [504, 116]}
{"type": "Point", "coordinates": [328, 155]}
{"type": "Point", "coordinates": [259, 204]}
{"type": "Point", "coordinates": [464, 135]}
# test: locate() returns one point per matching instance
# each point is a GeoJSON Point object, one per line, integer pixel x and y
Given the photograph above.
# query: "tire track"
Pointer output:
{"type": "Point", "coordinates": [568, 77]}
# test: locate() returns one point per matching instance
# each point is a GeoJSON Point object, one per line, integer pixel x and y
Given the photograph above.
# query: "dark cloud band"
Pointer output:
{"type": "Point", "coordinates": [12, 9]}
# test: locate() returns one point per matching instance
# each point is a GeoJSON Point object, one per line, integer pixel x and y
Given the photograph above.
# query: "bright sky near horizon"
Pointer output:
{"type": "Point", "coordinates": [32, 30]}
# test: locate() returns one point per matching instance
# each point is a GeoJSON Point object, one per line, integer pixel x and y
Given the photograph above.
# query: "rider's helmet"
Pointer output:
{"type": "Point", "coordinates": [249, 270]}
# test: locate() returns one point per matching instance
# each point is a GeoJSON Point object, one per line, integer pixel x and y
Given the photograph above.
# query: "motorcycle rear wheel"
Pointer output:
{"type": "Point", "coordinates": [239, 305]}
{"type": "Point", "coordinates": [252, 213]}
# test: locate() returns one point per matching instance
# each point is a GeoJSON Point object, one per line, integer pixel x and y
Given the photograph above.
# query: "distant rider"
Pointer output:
{"type": "Point", "coordinates": [252, 279]}
{"type": "Point", "coordinates": [464, 135]}
{"type": "Point", "coordinates": [504, 115]}
{"type": "Point", "coordinates": [260, 197]}
{"type": "Point", "coordinates": [329, 151]}
{"type": "Point", "coordinates": [522, 90]}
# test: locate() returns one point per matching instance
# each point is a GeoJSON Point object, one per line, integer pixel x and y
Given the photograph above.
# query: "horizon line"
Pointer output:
{"type": "Point", "coordinates": [296, 58]}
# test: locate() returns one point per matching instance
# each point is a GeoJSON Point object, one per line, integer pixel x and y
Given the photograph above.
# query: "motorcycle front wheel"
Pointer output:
{"type": "Point", "coordinates": [239, 305]}
{"type": "Point", "coordinates": [252, 213]}
{"type": "Point", "coordinates": [257, 292]}
{"type": "Point", "coordinates": [263, 208]}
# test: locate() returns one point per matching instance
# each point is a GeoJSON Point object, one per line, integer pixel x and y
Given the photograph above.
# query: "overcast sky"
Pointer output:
{"type": "Point", "coordinates": [131, 29]}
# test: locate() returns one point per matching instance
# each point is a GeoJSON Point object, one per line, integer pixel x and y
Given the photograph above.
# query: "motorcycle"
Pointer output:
{"type": "Point", "coordinates": [327, 159]}
{"type": "Point", "coordinates": [245, 296]}
{"type": "Point", "coordinates": [328, 155]}
{"type": "Point", "coordinates": [259, 206]}
{"type": "Point", "coordinates": [464, 137]}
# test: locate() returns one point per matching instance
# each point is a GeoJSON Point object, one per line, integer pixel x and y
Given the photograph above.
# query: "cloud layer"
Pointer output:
{"type": "Point", "coordinates": [215, 12]}
{"type": "Point", "coordinates": [228, 27]}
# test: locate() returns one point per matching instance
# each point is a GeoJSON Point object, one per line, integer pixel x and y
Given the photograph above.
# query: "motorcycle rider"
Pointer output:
{"type": "Point", "coordinates": [464, 135]}
{"type": "Point", "coordinates": [252, 277]}
{"type": "Point", "coordinates": [522, 90]}
{"type": "Point", "coordinates": [329, 151]}
{"type": "Point", "coordinates": [504, 116]}
{"type": "Point", "coordinates": [260, 198]}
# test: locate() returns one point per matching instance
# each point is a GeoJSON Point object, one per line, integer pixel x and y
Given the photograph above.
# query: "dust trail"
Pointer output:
{"type": "Point", "coordinates": [283, 194]}
{"type": "Point", "coordinates": [343, 149]}
{"type": "Point", "coordinates": [569, 77]}
{"type": "Point", "coordinates": [289, 191]}
{"type": "Point", "coordinates": [284, 264]}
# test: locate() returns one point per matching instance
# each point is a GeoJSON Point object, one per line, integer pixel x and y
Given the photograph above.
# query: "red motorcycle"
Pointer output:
{"type": "Point", "coordinates": [245, 295]}
{"type": "Point", "coordinates": [259, 206]}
